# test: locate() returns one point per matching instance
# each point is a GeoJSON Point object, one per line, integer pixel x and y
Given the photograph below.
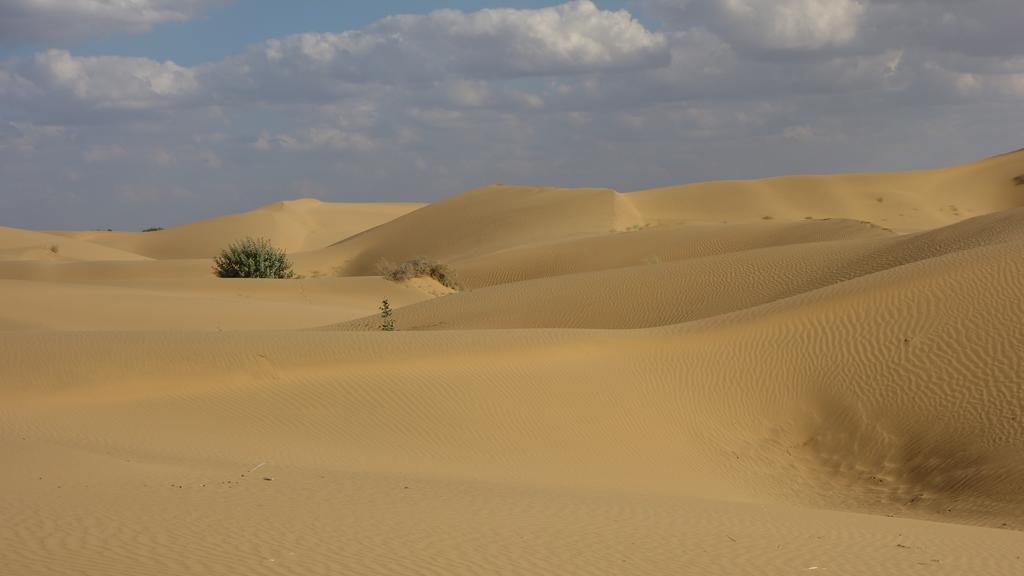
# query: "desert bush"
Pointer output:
{"type": "Point", "coordinates": [387, 323]}
{"type": "Point", "coordinates": [55, 249]}
{"type": "Point", "coordinates": [252, 258]}
{"type": "Point", "coordinates": [155, 229]}
{"type": "Point", "coordinates": [418, 267]}
{"type": "Point", "coordinates": [1019, 180]}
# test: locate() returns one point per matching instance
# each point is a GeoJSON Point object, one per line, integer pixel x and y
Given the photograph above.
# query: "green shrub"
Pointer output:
{"type": "Point", "coordinates": [252, 258]}
{"type": "Point", "coordinates": [418, 267]}
{"type": "Point", "coordinates": [387, 323]}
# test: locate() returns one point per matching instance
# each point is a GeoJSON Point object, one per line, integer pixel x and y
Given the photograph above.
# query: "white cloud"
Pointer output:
{"type": "Point", "coordinates": [791, 24]}
{"type": "Point", "coordinates": [321, 137]}
{"type": "Point", "coordinates": [768, 25]}
{"type": "Point", "coordinates": [976, 28]}
{"type": "Point", "coordinates": [57, 82]}
{"type": "Point", "coordinates": [29, 21]}
{"type": "Point", "coordinates": [970, 86]}
{"type": "Point", "coordinates": [464, 52]}
{"type": "Point", "coordinates": [572, 38]}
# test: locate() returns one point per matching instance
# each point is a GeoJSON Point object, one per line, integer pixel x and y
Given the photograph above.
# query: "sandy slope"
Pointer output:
{"type": "Point", "coordinates": [651, 245]}
{"type": "Point", "coordinates": [637, 296]}
{"type": "Point", "coordinates": [28, 245]}
{"type": "Point", "coordinates": [902, 201]}
{"type": "Point", "coordinates": [479, 222]}
{"type": "Point", "coordinates": [762, 397]}
{"type": "Point", "coordinates": [197, 304]}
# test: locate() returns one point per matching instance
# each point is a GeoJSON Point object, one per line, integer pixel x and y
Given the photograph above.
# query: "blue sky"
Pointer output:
{"type": "Point", "coordinates": [157, 112]}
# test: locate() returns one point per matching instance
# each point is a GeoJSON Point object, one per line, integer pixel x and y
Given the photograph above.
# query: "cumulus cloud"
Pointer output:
{"type": "Point", "coordinates": [791, 24]}
{"type": "Point", "coordinates": [772, 25]}
{"type": "Point", "coordinates": [30, 21]}
{"type": "Point", "coordinates": [56, 85]}
{"type": "Point", "coordinates": [572, 38]}
{"type": "Point", "coordinates": [460, 50]}
{"type": "Point", "coordinates": [977, 28]}
{"type": "Point", "coordinates": [567, 39]}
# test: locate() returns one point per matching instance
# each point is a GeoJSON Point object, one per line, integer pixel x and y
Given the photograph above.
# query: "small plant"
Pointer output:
{"type": "Point", "coordinates": [768, 218]}
{"type": "Point", "coordinates": [638, 227]}
{"type": "Point", "coordinates": [387, 323]}
{"type": "Point", "coordinates": [418, 268]}
{"type": "Point", "coordinates": [55, 248]}
{"type": "Point", "coordinates": [156, 229]}
{"type": "Point", "coordinates": [1019, 180]}
{"type": "Point", "coordinates": [252, 258]}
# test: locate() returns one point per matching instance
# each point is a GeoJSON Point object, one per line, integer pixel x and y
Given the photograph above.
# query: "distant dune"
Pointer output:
{"type": "Point", "coordinates": [801, 375]}
{"type": "Point", "coordinates": [28, 245]}
{"type": "Point", "coordinates": [296, 226]}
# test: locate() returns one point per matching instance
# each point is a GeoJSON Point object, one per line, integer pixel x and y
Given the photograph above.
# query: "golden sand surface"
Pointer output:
{"type": "Point", "coordinates": [800, 375]}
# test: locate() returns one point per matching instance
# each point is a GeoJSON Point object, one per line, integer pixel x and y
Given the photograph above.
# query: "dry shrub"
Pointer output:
{"type": "Point", "coordinates": [419, 267]}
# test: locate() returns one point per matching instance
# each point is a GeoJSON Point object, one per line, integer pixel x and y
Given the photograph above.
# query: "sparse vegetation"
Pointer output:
{"type": "Point", "coordinates": [387, 322]}
{"type": "Point", "coordinates": [253, 258]}
{"type": "Point", "coordinates": [1019, 180]}
{"type": "Point", "coordinates": [419, 267]}
{"type": "Point", "coordinates": [55, 248]}
{"type": "Point", "coordinates": [156, 229]}
{"type": "Point", "coordinates": [768, 218]}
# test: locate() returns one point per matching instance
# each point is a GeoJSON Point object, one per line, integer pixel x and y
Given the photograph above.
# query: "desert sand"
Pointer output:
{"type": "Point", "coordinates": [800, 375]}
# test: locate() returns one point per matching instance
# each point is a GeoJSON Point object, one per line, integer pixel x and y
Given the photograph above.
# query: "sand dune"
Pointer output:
{"type": "Point", "coordinates": [652, 246]}
{"type": "Point", "coordinates": [906, 201]}
{"type": "Point", "coordinates": [478, 222]}
{"type": "Point", "coordinates": [482, 222]}
{"type": "Point", "coordinates": [296, 226]}
{"type": "Point", "coordinates": [636, 296]}
{"type": "Point", "coordinates": [28, 245]}
{"type": "Point", "coordinates": [630, 386]}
